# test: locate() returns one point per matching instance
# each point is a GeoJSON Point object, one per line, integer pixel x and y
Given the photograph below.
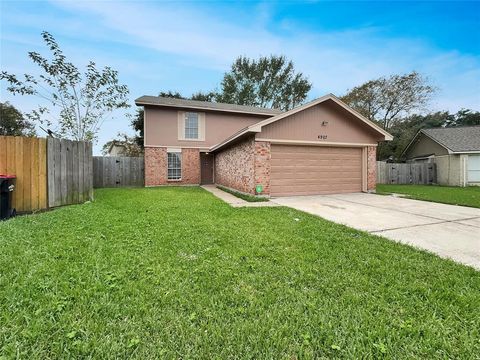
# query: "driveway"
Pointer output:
{"type": "Point", "coordinates": [447, 230]}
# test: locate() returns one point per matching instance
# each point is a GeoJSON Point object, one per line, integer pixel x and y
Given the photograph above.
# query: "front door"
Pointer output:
{"type": "Point", "coordinates": [206, 168]}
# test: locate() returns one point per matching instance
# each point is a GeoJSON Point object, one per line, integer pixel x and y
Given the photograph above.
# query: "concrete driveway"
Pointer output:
{"type": "Point", "coordinates": [447, 230]}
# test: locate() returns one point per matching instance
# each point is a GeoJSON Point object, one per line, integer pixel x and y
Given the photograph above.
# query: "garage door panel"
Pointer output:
{"type": "Point", "coordinates": [340, 176]}
{"type": "Point", "coordinates": [315, 169]}
{"type": "Point", "coordinates": [307, 170]}
{"type": "Point", "coordinates": [280, 163]}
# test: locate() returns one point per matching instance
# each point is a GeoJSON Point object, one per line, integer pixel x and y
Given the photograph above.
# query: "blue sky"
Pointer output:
{"type": "Point", "coordinates": [187, 46]}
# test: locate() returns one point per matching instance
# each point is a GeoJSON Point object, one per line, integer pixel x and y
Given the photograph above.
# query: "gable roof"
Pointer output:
{"type": "Point", "coordinates": [257, 127]}
{"type": "Point", "coordinates": [204, 105]}
{"type": "Point", "coordinates": [454, 139]}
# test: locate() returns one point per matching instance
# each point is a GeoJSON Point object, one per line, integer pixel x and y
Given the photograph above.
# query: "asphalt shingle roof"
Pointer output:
{"type": "Point", "coordinates": [457, 139]}
{"type": "Point", "coordinates": [195, 104]}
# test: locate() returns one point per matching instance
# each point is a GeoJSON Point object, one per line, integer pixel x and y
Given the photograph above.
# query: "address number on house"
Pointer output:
{"type": "Point", "coordinates": [322, 137]}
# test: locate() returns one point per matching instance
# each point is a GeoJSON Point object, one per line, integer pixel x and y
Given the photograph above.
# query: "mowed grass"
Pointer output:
{"type": "Point", "coordinates": [465, 196]}
{"type": "Point", "coordinates": [175, 273]}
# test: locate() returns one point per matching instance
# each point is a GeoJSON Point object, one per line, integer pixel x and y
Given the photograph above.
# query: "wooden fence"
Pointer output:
{"type": "Point", "coordinates": [410, 173]}
{"type": "Point", "coordinates": [49, 172]}
{"type": "Point", "coordinates": [69, 172]}
{"type": "Point", "coordinates": [116, 171]}
{"type": "Point", "coordinates": [27, 159]}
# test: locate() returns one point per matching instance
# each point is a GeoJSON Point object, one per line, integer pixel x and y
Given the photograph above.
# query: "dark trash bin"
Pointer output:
{"type": "Point", "coordinates": [7, 186]}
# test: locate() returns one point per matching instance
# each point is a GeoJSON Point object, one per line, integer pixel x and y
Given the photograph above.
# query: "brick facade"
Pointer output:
{"type": "Point", "coordinates": [156, 167]}
{"type": "Point", "coordinates": [262, 165]}
{"type": "Point", "coordinates": [371, 168]}
{"type": "Point", "coordinates": [234, 167]}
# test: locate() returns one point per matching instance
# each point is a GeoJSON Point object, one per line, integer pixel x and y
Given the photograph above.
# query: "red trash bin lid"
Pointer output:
{"type": "Point", "coordinates": [6, 176]}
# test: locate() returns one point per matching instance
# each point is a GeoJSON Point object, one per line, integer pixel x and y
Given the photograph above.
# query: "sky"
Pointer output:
{"type": "Point", "coordinates": [187, 46]}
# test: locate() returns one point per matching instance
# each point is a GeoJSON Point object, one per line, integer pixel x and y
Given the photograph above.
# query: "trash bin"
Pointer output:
{"type": "Point", "coordinates": [7, 185]}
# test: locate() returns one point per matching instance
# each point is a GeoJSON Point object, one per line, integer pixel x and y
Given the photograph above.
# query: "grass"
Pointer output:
{"type": "Point", "coordinates": [467, 196]}
{"type": "Point", "coordinates": [246, 197]}
{"type": "Point", "coordinates": [176, 273]}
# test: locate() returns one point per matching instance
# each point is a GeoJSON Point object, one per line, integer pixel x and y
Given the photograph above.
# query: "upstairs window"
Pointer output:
{"type": "Point", "coordinates": [174, 165]}
{"type": "Point", "coordinates": [191, 125]}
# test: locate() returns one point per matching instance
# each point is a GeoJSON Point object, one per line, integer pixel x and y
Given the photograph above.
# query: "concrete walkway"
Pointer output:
{"type": "Point", "coordinates": [235, 201]}
{"type": "Point", "coordinates": [447, 230]}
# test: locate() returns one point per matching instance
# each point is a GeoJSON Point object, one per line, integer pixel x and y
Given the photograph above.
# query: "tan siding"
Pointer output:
{"type": "Point", "coordinates": [341, 126]}
{"type": "Point", "coordinates": [425, 146]}
{"type": "Point", "coordinates": [306, 170]}
{"type": "Point", "coordinates": [162, 127]}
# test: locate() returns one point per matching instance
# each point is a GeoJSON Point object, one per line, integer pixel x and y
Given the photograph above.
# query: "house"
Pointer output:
{"type": "Point", "coordinates": [455, 151]}
{"type": "Point", "coordinates": [116, 148]}
{"type": "Point", "coordinates": [322, 147]}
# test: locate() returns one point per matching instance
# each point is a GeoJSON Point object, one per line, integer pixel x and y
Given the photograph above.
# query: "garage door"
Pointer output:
{"type": "Point", "coordinates": [474, 168]}
{"type": "Point", "coordinates": [309, 170]}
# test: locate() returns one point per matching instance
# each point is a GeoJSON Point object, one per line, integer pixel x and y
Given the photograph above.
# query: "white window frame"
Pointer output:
{"type": "Point", "coordinates": [182, 129]}
{"type": "Point", "coordinates": [190, 130]}
{"type": "Point", "coordinates": [174, 168]}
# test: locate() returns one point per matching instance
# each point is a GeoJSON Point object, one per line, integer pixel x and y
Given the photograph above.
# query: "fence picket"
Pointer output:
{"type": "Point", "coordinates": [409, 173]}
{"type": "Point", "coordinates": [118, 171]}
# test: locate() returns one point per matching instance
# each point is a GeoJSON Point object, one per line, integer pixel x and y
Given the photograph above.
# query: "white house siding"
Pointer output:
{"type": "Point", "coordinates": [451, 170]}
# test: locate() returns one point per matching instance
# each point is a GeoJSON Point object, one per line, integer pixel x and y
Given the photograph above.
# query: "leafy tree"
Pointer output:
{"type": "Point", "coordinates": [137, 125]}
{"type": "Point", "coordinates": [131, 148]}
{"type": "Point", "coordinates": [387, 100]}
{"type": "Point", "coordinates": [404, 131]}
{"type": "Point", "coordinates": [464, 117]}
{"type": "Point", "coordinates": [12, 122]}
{"type": "Point", "coordinates": [201, 96]}
{"type": "Point", "coordinates": [171, 94]}
{"type": "Point", "coordinates": [267, 82]}
{"type": "Point", "coordinates": [82, 100]}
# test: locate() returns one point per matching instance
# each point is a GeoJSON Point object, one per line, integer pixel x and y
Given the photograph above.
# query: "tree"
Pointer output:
{"type": "Point", "coordinates": [12, 122]}
{"type": "Point", "coordinates": [464, 117]}
{"type": "Point", "coordinates": [171, 94]}
{"type": "Point", "coordinates": [388, 100]}
{"type": "Point", "coordinates": [201, 96]}
{"type": "Point", "coordinates": [137, 125]}
{"type": "Point", "coordinates": [267, 82]}
{"type": "Point", "coordinates": [404, 131]}
{"type": "Point", "coordinates": [82, 100]}
{"type": "Point", "coordinates": [131, 148]}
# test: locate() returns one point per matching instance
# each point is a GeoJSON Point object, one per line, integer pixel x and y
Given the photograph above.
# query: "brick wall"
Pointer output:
{"type": "Point", "coordinates": [262, 165]}
{"type": "Point", "coordinates": [156, 167]}
{"type": "Point", "coordinates": [234, 167]}
{"type": "Point", "coordinates": [371, 168]}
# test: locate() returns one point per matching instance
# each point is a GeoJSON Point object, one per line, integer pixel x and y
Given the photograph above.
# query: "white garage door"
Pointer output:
{"type": "Point", "coordinates": [473, 168]}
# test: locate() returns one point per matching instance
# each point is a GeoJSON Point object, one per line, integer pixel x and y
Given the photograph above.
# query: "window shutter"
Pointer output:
{"type": "Point", "coordinates": [181, 125]}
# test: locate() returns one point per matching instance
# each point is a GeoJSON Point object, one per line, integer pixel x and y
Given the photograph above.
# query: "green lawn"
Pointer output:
{"type": "Point", "coordinates": [176, 273]}
{"type": "Point", "coordinates": [468, 196]}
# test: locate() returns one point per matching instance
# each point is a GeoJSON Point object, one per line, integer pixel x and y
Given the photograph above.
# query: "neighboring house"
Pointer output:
{"type": "Point", "coordinates": [322, 147]}
{"type": "Point", "coordinates": [456, 151]}
{"type": "Point", "coordinates": [116, 148]}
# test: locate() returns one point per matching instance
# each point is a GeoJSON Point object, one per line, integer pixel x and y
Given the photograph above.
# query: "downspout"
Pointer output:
{"type": "Point", "coordinates": [464, 170]}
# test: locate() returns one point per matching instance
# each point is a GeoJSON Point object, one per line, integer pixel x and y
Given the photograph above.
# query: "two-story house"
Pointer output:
{"type": "Point", "coordinates": [321, 147]}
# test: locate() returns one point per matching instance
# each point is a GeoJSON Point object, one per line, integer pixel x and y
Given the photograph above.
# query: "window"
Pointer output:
{"type": "Point", "coordinates": [191, 125]}
{"type": "Point", "coordinates": [174, 165]}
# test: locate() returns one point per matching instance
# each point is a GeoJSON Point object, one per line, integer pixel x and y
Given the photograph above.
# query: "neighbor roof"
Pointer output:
{"type": "Point", "coordinates": [454, 139]}
{"type": "Point", "coordinates": [255, 128]}
{"type": "Point", "coordinates": [204, 105]}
